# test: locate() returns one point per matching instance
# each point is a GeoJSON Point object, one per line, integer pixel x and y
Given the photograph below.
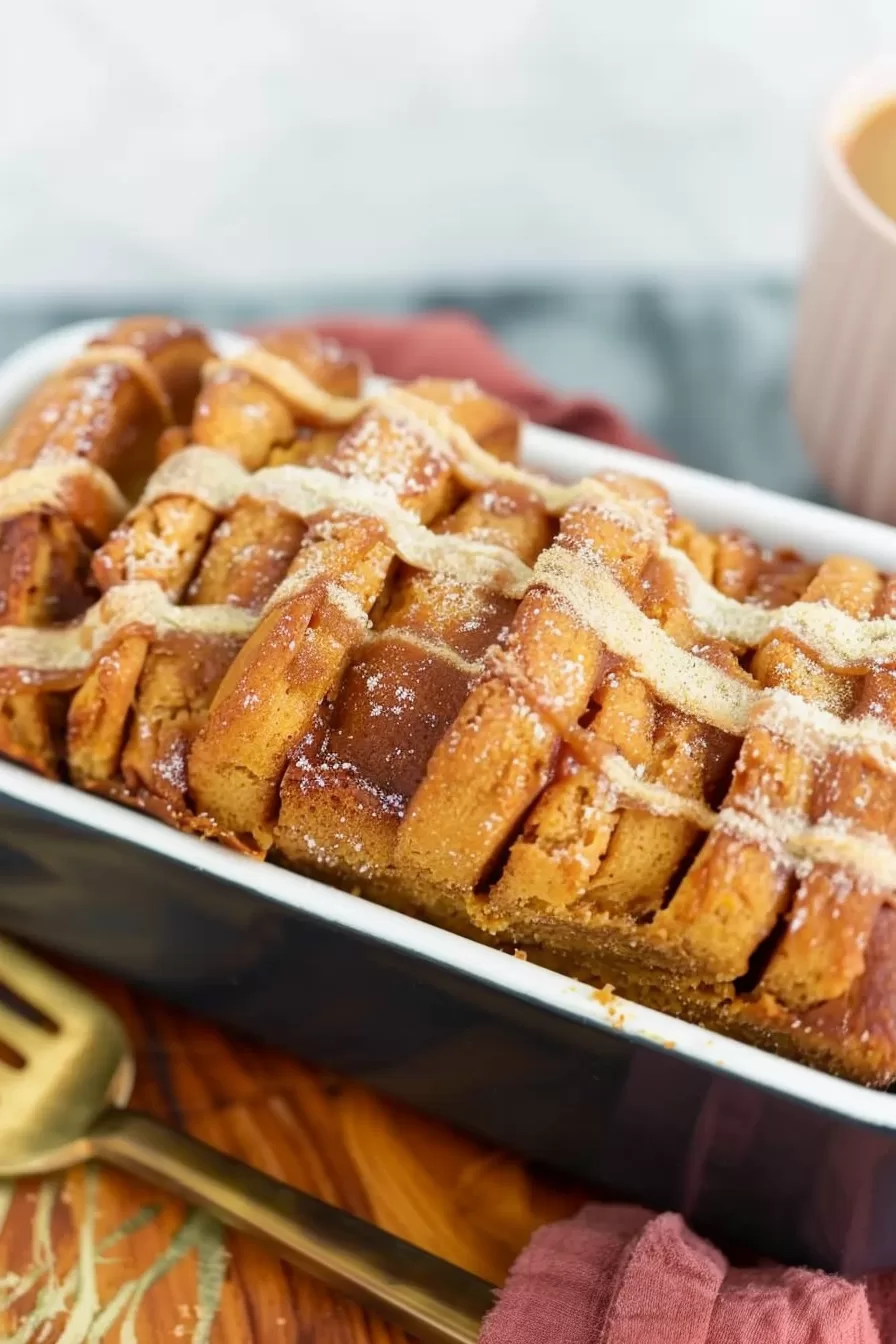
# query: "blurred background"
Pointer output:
{"type": "Point", "coordinates": [618, 190]}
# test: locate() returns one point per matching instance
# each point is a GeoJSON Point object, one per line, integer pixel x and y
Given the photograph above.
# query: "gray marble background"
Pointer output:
{"type": "Point", "coordinates": [701, 365]}
{"type": "Point", "coordinates": [622, 192]}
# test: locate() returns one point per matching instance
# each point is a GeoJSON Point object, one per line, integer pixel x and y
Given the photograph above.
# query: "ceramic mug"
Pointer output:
{"type": "Point", "coordinates": [843, 390]}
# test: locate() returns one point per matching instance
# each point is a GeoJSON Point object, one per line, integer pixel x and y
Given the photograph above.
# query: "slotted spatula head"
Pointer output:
{"type": "Point", "coordinates": [66, 1058]}
{"type": "Point", "coordinates": [66, 1070]}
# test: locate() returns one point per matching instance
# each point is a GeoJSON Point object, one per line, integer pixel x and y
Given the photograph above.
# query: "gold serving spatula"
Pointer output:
{"type": "Point", "coordinates": [66, 1074]}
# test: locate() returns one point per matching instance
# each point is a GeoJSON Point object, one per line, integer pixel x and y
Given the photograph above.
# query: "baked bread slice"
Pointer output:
{"type": "Point", "coordinates": [352, 634]}
{"type": "Point", "coordinates": [132, 713]}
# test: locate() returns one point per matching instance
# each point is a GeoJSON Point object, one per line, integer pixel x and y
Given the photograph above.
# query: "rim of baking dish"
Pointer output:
{"type": "Point", "coordinates": [712, 502]}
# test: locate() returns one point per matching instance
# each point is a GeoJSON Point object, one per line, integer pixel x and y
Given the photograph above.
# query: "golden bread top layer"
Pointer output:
{"type": "Point", "coordinates": [714, 691]}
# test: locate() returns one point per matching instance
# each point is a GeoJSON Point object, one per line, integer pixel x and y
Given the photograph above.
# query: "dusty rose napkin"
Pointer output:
{"type": "Point", "coordinates": [619, 1275]}
{"type": "Point", "coordinates": [454, 345]}
{"type": "Point", "coordinates": [615, 1274]}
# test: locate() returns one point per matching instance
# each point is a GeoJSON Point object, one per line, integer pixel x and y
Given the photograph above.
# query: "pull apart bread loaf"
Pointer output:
{"type": "Point", "coordinates": [353, 634]}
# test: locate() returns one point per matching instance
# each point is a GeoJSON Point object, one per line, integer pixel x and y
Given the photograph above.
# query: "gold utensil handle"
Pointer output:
{"type": "Point", "coordinates": [435, 1301]}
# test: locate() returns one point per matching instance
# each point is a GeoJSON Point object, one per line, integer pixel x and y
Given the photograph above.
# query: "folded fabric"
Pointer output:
{"type": "Point", "coordinates": [455, 345]}
{"type": "Point", "coordinates": [618, 1275]}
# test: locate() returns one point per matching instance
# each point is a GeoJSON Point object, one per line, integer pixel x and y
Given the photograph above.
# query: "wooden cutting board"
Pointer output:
{"type": "Point", "coordinates": [93, 1256]}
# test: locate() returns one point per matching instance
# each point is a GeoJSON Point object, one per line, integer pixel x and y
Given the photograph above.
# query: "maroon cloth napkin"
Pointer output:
{"type": "Point", "coordinates": [619, 1275]}
{"type": "Point", "coordinates": [615, 1274]}
{"type": "Point", "coordinates": [454, 345]}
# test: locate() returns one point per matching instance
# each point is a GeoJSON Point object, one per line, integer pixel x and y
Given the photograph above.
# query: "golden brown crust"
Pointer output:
{"type": "Point", "coordinates": [164, 541]}
{"type": "Point", "coordinates": [735, 890]}
{"type": "Point", "coordinates": [355, 775]}
{"type": "Point", "coordinates": [499, 755]}
{"type": "Point", "coordinates": [300, 649]}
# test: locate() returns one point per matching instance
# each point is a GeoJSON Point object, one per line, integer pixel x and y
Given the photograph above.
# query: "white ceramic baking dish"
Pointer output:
{"type": "Point", "coordinates": [749, 1146]}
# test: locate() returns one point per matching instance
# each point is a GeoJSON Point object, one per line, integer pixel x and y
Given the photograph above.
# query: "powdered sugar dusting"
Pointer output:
{"type": "Point", "coordinates": [680, 678]}
{"type": "Point", "coordinates": [48, 485]}
{"type": "Point", "coordinates": [103, 357]}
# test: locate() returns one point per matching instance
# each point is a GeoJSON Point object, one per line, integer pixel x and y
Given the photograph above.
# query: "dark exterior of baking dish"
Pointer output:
{"type": "Point", "coordinates": [744, 1164]}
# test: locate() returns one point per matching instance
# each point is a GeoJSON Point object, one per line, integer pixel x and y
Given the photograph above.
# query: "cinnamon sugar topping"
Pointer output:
{"type": "Point", "coordinates": [436, 648]}
{"type": "Point", "coordinates": [584, 585]}
{"type": "Point", "coordinates": [138, 605]}
{"type": "Point", "coordinates": [293, 386]}
{"type": "Point", "coordinates": [219, 481]}
{"type": "Point", "coordinates": [49, 486]}
{"type": "Point", "coordinates": [205, 474]}
{"type": "Point", "coordinates": [477, 468]}
{"type": "Point", "coordinates": [870, 857]}
{"type": "Point", "coordinates": [841, 641]}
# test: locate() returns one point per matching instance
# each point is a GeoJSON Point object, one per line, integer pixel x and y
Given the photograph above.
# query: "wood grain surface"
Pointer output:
{"type": "Point", "coordinates": [93, 1255]}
